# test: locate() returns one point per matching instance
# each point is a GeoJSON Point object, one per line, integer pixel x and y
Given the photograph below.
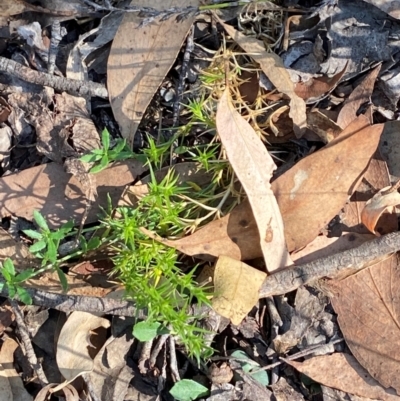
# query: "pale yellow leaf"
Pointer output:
{"type": "Point", "coordinates": [273, 68]}
{"type": "Point", "coordinates": [236, 287]}
{"type": "Point", "coordinates": [254, 167]}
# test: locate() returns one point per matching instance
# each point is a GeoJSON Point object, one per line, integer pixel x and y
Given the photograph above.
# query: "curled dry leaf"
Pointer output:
{"type": "Point", "coordinates": [236, 287]}
{"type": "Point", "coordinates": [140, 58]}
{"type": "Point", "coordinates": [69, 391]}
{"type": "Point", "coordinates": [254, 167]}
{"type": "Point", "coordinates": [73, 358]}
{"type": "Point", "coordinates": [368, 308]}
{"type": "Point", "coordinates": [343, 372]}
{"type": "Point", "coordinates": [384, 200]}
{"type": "Point", "coordinates": [273, 68]}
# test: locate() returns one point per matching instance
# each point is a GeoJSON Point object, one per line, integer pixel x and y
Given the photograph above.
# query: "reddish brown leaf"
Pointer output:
{"type": "Point", "coordinates": [314, 88]}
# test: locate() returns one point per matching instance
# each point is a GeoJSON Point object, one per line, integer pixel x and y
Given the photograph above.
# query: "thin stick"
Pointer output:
{"type": "Point", "coordinates": [173, 364]}
{"type": "Point", "coordinates": [29, 351]}
{"type": "Point", "coordinates": [72, 86]}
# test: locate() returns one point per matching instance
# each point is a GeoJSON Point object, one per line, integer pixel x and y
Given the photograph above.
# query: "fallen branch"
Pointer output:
{"type": "Point", "coordinates": [72, 86]}
{"type": "Point", "coordinates": [352, 260]}
{"type": "Point", "coordinates": [26, 341]}
{"type": "Point", "coordinates": [68, 303]}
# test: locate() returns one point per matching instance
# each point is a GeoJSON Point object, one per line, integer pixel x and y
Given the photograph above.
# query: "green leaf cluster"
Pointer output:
{"type": "Point", "coordinates": [105, 155]}
{"type": "Point", "coordinates": [150, 270]}
{"type": "Point", "coordinates": [13, 281]}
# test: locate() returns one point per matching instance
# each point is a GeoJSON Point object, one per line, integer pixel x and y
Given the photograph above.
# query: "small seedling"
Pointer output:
{"type": "Point", "coordinates": [13, 281]}
{"type": "Point", "coordinates": [102, 157]}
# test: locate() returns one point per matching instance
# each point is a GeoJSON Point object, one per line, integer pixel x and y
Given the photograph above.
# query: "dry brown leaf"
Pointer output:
{"type": "Point", "coordinates": [312, 192]}
{"type": "Point", "coordinates": [272, 66]}
{"type": "Point", "coordinates": [379, 203]}
{"type": "Point", "coordinates": [309, 195]}
{"type": "Point", "coordinates": [254, 167]}
{"type": "Point", "coordinates": [10, 248]}
{"type": "Point", "coordinates": [73, 358]}
{"type": "Point", "coordinates": [376, 176]}
{"type": "Point", "coordinates": [8, 372]}
{"type": "Point", "coordinates": [322, 125]}
{"type": "Point", "coordinates": [390, 7]}
{"type": "Point", "coordinates": [12, 7]}
{"type": "Point", "coordinates": [60, 196]}
{"type": "Point", "coordinates": [343, 372]}
{"type": "Point", "coordinates": [368, 311]}
{"type": "Point", "coordinates": [315, 88]}
{"type": "Point", "coordinates": [69, 391]}
{"type": "Point", "coordinates": [236, 287]}
{"type": "Point", "coordinates": [140, 58]}
{"type": "Point", "coordinates": [360, 95]}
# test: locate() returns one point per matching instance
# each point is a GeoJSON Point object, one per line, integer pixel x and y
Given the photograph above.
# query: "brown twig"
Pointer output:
{"type": "Point", "coordinates": [29, 351]}
{"type": "Point", "coordinates": [352, 260]}
{"type": "Point", "coordinates": [72, 86]}
{"type": "Point", "coordinates": [68, 303]}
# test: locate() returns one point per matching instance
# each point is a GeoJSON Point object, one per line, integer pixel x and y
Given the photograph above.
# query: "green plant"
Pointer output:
{"type": "Point", "coordinates": [105, 155]}
{"type": "Point", "coordinates": [150, 270]}
{"type": "Point", "coordinates": [13, 281]}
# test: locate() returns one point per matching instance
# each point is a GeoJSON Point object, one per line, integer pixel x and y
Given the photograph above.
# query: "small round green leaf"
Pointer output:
{"type": "Point", "coordinates": [146, 331]}
{"type": "Point", "coordinates": [188, 390]}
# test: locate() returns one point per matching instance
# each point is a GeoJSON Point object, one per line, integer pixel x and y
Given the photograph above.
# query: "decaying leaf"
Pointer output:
{"type": "Point", "coordinates": [315, 88]}
{"type": "Point", "coordinates": [343, 372]}
{"type": "Point", "coordinates": [382, 201]}
{"type": "Point", "coordinates": [312, 192]}
{"type": "Point", "coordinates": [254, 167]}
{"type": "Point", "coordinates": [10, 248]}
{"type": "Point", "coordinates": [236, 287]}
{"type": "Point", "coordinates": [390, 7]}
{"type": "Point", "coordinates": [376, 176]}
{"type": "Point", "coordinates": [73, 358]}
{"type": "Point", "coordinates": [368, 309]}
{"type": "Point", "coordinates": [357, 98]}
{"type": "Point", "coordinates": [11, 385]}
{"type": "Point", "coordinates": [139, 62]}
{"type": "Point", "coordinates": [70, 392]}
{"type": "Point", "coordinates": [273, 68]}
{"type": "Point", "coordinates": [45, 188]}
{"type": "Point", "coordinates": [12, 7]}
{"type": "Point", "coordinates": [322, 125]}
